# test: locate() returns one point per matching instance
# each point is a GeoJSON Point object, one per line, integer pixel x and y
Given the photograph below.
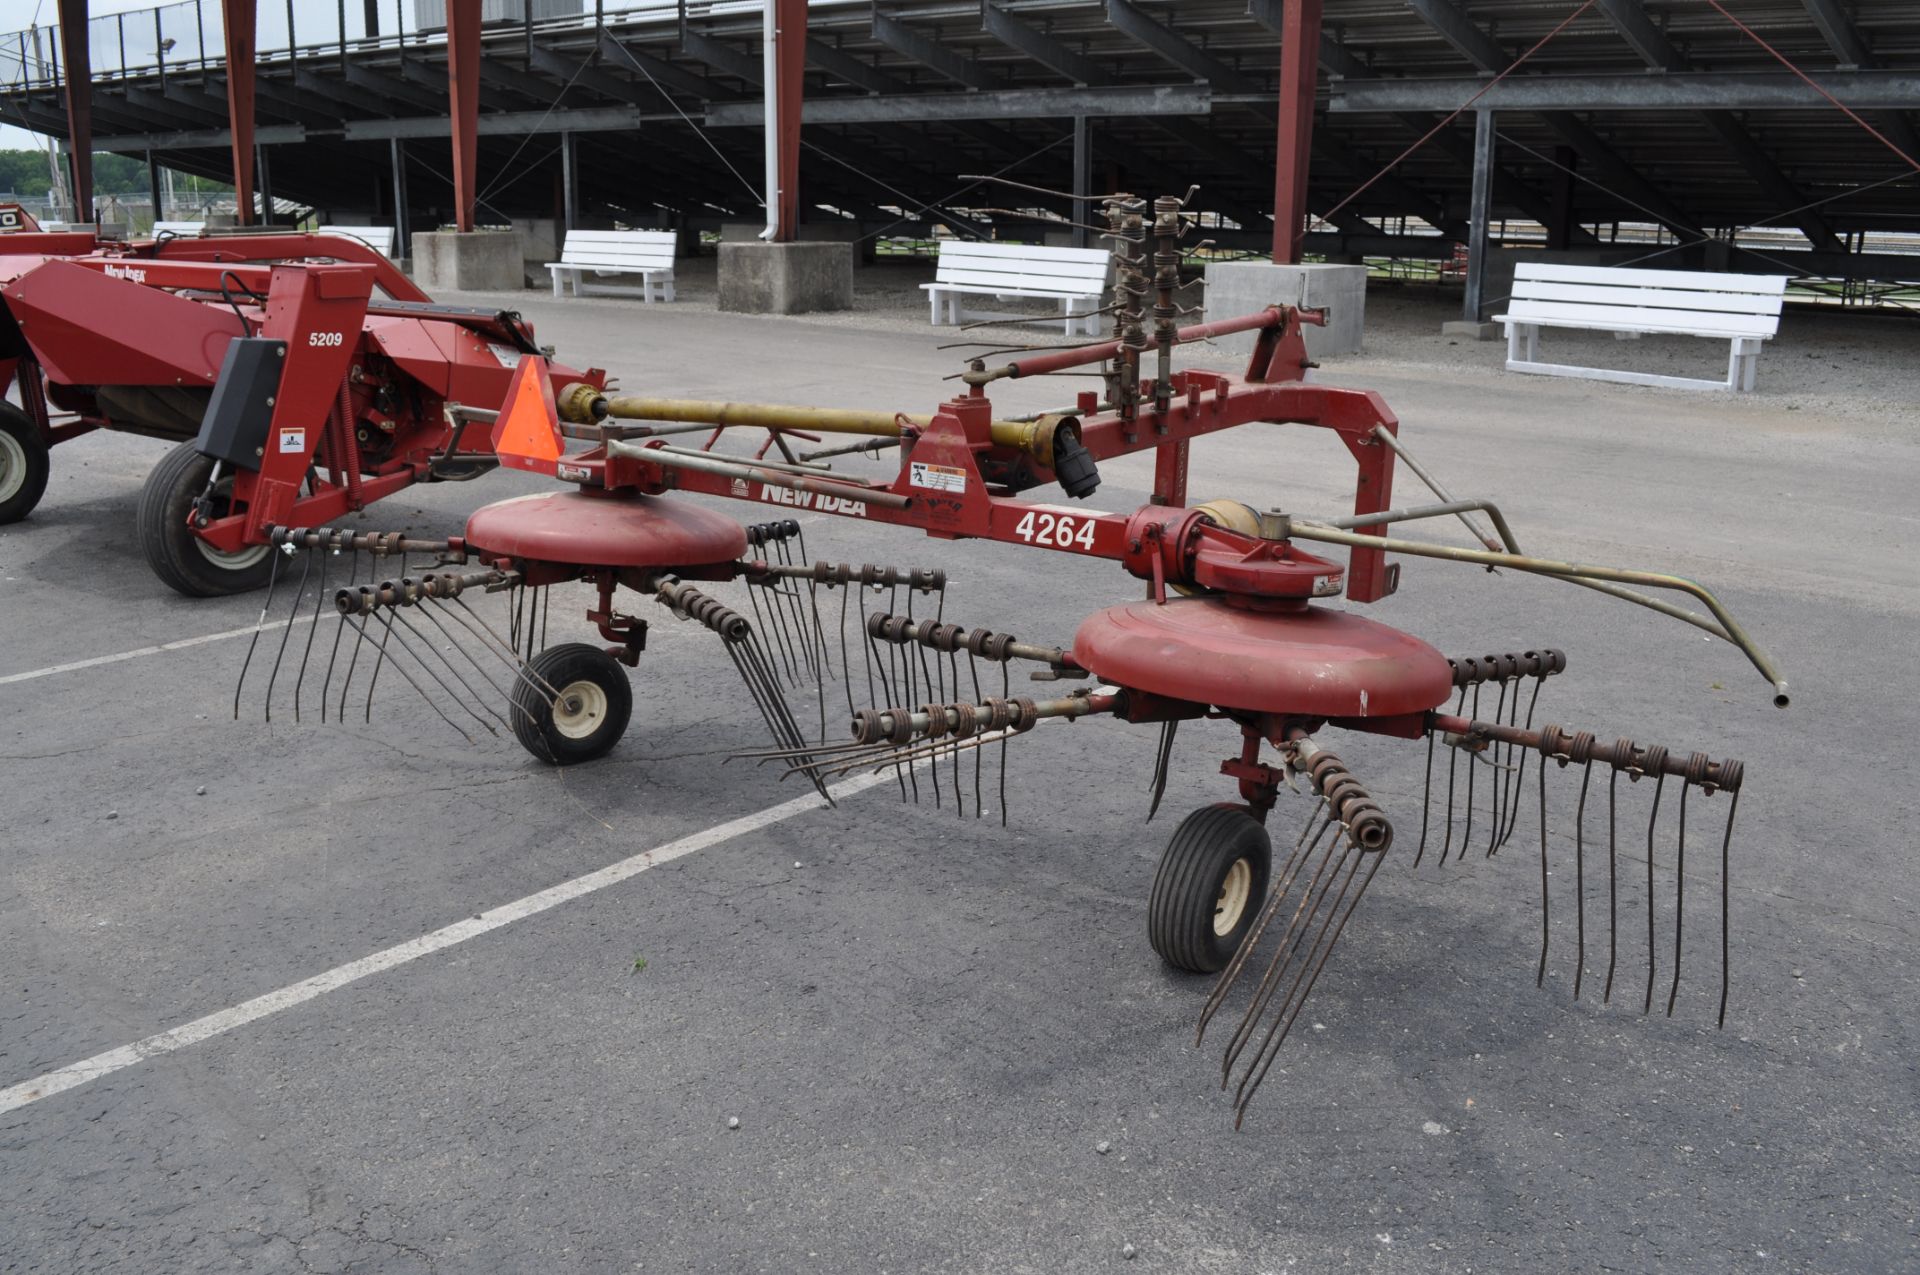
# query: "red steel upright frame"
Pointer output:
{"type": "Point", "coordinates": [463, 92]}
{"type": "Point", "coordinates": [1299, 62]}
{"type": "Point", "coordinates": [790, 55]}
{"type": "Point", "coordinates": [77, 70]}
{"type": "Point", "coordinates": [237, 25]}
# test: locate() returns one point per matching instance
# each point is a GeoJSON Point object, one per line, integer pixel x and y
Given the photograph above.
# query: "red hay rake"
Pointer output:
{"type": "Point", "coordinates": [1235, 627]}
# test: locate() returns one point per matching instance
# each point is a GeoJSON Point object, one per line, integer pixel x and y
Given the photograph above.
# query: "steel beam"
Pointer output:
{"type": "Point", "coordinates": [1082, 182]}
{"type": "Point", "coordinates": [397, 150]}
{"type": "Point", "coordinates": [1337, 61]}
{"type": "Point", "coordinates": [658, 70]}
{"type": "Point", "coordinates": [790, 88]}
{"type": "Point", "coordinates": [1472, 305]}
{"type": "Point", "coordinates": [1299, 63]}
{"type": "Point", "coordinates": [1837, 29]}
{"type": "Point", "coordinates": [210, 139]}
{"type": "Point", "coordinates": [367, 83]}
{"type": "Point", "coordinates": [463, 92]}
{"type": "Point", "coordinates": [1674, 91]}
{"type": "Point", "coordinates": [842, 65]}
{"type": "Point", "coordinates": [74, 52]}
{"type": "Point", "coordinates": [1009, 104]}
{"type": "Point", "coordinates": [936, 57]}
{"type": "Point", "coordinates": [721, 56]}
{"type": "Point", "coordinates": [567, 71]}
{"type": "Point", "coordinates": [1039, 46]}
{"type": "Point", "coordinates": [237, 27]}
{"type": "Point", "coordinates": [1477, 47]}
{"type": "Point", "coordinates": [1658, 52]}
{"type": "Point", "coordinates": [602, 119]}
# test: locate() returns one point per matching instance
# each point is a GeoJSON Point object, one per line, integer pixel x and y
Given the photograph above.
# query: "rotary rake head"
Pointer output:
{"type": "Point", "coordinates": [472, 641]}
{"type": "Point", "coordinates": [1270, 949]}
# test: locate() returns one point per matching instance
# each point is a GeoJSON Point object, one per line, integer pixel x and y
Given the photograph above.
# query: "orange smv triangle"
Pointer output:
{"type": "Point", "coordinates": [527, 435]}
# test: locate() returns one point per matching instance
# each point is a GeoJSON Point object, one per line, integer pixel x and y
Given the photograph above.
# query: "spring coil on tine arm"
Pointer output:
{"type": "Point", "coordinates": [1352, 805]}
{"type": "Point", "coordinates": [1505, 668]}
{"type": "Point", "coordinates": [897, 725]}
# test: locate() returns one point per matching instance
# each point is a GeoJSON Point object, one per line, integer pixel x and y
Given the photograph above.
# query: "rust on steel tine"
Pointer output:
{"type": "Point", "coordinates": [522, 671]}
{"type": "Point", "coordinates": [1652, 819]}
{"type": "Point", "coordinates": [426, 639]}
{"type": "Point", "coordinates": [973, 667]}
{"type": "Point", "coordinates": [1679, 896]}
{"type": "Point", "coordinates": [1613, 882]}
{"type": "Point", "coordinates": [1453, 761]}
{"type": "Point", "coordinates": [1726, 844]}
{"type": "Point", "coordinates": [353, 660]}
{"type": "Point", "coordinates": [326, 684]}
{"type": "Point", "coordinates": [385, 633]}
{"type": "Point", "coordinates": [1513, 808]}
{"type": "Point", "coordinates": [795, 734]}
{"type": "Point", "coordinates": [1426, 802]}
{"type": "Point", "coordinates": [1466, 834]}
{"type": "Point", "coordinates": [1005, 692]}
{"type": "Point", "coordinates": [1497, 781]}
{"type": "Point", "coordinates": [306, 655]}
{"type": "Point", "coordinates": [273, 577]}
{"type": "Point", "coordinates": [826, 665]}
{"type": "Point", "coordinates": [779, 644]}
{"type": "Point", "coordinates": [293, 612]}
{"type": "Point", "coordinates": [919, 652]}
{"type": "Point", "coordinates": [935, 751]}
{"type": "Point", "coordinates": [1579, 875]}
{"type": "Point", "coordinates": [1302, 850]}
{"type": "Point", "coordinates": [1283, 954]}
{"type": "Point", "coordinates": [1281, 1018]}
{"type": "Point", "coordinates": [1162, 755]}
{"type": "Point", "coordinates": [1540, 978]}
{"type": "Point", "coordinates": [431, 608]}
{"type": "Point", "coordinates": [1338, 929]}
{"type": "Point", "coordinates": [417, 636]}
{"type": "Point", "coordinates": [959, 799]}
{"type": "Point", "coordinates": [379, 661]}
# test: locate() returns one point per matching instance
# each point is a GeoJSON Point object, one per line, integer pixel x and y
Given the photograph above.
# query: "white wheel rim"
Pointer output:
{"type": "Point", "coordinates": [1232, 903]}
{"type": "Point", "coordinates": [13, 466]}
{"type": "Point", "coordinates": [239, 559]}
{"type": "Point", "coordinates": [579, 709]}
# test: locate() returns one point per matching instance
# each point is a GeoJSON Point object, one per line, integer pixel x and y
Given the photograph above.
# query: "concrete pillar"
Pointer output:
{"type": "Point", "coordinates": [785, 278]}
{"type": "Point", "coordinates": [1242, 287]}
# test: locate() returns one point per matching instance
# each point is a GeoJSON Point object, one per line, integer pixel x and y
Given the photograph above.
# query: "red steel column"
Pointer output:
{"type": "Point", "coordinates": [1299, 64]}
{"type": "Point", "coordinates": [76, 68]}
{"type": "Point", "coordinates": [463, 87]}
{"type": "Point", "coordinates": [237, 25]}
{"type": "Point", "coordinates": [790, 45]}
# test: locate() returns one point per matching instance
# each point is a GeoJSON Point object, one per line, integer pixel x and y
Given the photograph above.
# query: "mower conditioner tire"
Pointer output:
{"type": "Point", "coordinates": [23, 464]}
{"type": "Point", "coordinates": [592, 701]}
{"type": "Point", "coordinates": [1211, 885]}
{"type": "Point", "coordinates": [183, 561]}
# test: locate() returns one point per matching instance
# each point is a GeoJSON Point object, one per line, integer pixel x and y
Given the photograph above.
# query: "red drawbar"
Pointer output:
{"type": "Point", "coordinates": [574, 528]}
{"type": "Point", "coordinates": [1308, 662]}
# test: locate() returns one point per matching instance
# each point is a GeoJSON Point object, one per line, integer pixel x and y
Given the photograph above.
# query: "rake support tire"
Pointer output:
{"type": "Point", "coordinates": [23, 464]}
{"type": "Point", "coordinates": [589, 714]}
{"type": "Point", "coordinates": [1210, 887]}
{"type": "Point", "coordinates": [183, 561]}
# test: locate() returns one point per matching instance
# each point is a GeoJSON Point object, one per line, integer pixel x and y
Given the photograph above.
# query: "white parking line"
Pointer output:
{"type": "Point", "coordinates": [89, 1069]}
{"type": "Point", "coordinates": [269, 627]}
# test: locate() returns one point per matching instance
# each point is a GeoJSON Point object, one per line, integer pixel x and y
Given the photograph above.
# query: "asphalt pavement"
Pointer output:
{"type": "Point", "coordinates": [925, 1025]}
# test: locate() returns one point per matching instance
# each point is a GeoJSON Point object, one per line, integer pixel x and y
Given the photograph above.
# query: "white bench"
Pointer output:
{"type": "Point", "coordinates": [184, 229]}
{"type": "Point", "coordinates": [647, 253]}
{"type": "Point", "coordinates": [1741, 308]}
{"type": "Point", "coordinates": [1076, 277]}
{"type": "Point", "coordinates": [378, 238]}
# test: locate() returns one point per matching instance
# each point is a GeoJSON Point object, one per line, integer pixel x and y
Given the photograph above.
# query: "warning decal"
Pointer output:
{"type": "Point", "coordinates": [937, 477]}
{"type": "Point", "coordinates": [293, 440]}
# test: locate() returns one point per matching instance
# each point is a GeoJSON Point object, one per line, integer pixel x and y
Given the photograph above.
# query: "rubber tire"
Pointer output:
{"type": "Point", "coordinates": [560, 666]}
{"type": "Point", "coordinates": [172, 549]}
{"type": "Point", "coordinates": [19, 427]}
{"type": "Point", "coordinates": [1193, 868]}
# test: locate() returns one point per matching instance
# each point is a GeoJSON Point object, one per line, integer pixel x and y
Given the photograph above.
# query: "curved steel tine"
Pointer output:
{"type": "Point", "coordinates": [306, 654]}
{"type": "Point", "coordinates": [1659, 784]}
{"type": "Point", "coordinates": [286, 632]}
{"type": "Point", "coordinates": [1580, 876]}
{"type": "Point", "coordinates": [1679, 898]}
{"type": "Point", "coordinates": [273, 578]}
{"type": "Point", "coordinates": [1613, 883]}
{"type": "Point", "coordinates": [1497, 752]}
{"type": "Point", "coordinates": [1160, 765]}
{"type": "Point", "coordinates": [1302, 920]}
{"type": "Point", "coordinates": [1426, 802]}
{"type": "Point", "coordinates": [1514, 808]}
{"type": "Point", "coordinates": [1240, 1114]}
{"type": "Point", "coordinates": [1453, 762]}
{"type": "Point", "coordinates": [1540, 978]}
{"type": "Point", "coordinates": [1230, 975]}
{"type": "Point", "coordinates": [326, 683]}
{"type": "Point", "coordinates": [1466, 834]}
{"type": "Point", "coordinates": [1726, 843]}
